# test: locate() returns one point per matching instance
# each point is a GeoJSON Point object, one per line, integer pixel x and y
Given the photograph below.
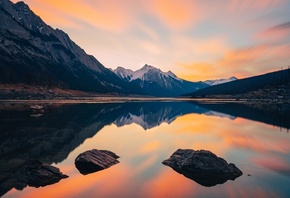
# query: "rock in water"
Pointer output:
{"type": "Point", "coordinates": [42, 174]}
{"type": "Point", "coordinates": [32, 173]}
{"type": "Point", "coordinates": [95, 160]}
{"type": "Point", "coordinates": [202, 166]}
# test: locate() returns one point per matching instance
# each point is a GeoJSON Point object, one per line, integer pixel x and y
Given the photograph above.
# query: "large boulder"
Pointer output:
{"type": "Point", "coordinates": [202, 166]}
{"type": "Point", "coordinates": [95, 160]}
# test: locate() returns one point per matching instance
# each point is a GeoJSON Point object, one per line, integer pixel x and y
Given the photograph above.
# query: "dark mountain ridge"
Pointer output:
{"type": "Point", "coordinates": [31, 52]}
{"type": "Point", "coordinates": [246, 85]}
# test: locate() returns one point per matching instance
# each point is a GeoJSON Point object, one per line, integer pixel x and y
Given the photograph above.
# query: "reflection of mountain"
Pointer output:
{"type": "Point", "coordinates": [51, 137]}
{"type": "Point", "coordinates": [152, 114]}
{"type": "Point", "coordinates": [275, 114]}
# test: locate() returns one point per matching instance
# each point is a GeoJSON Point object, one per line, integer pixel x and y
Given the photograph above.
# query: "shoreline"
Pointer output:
{"type": "Point", "coordinates": [120, 99]}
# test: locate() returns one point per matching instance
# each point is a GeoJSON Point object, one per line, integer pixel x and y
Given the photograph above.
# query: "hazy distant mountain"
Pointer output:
{"type": "Point", "coordinates": [246, 85]}
{"type": "Point", "coordinates": [32, 52]}
{"type": "Point", "coordinates": [158, 83]}
{"type": "Point", "coordinates": [220, 81]}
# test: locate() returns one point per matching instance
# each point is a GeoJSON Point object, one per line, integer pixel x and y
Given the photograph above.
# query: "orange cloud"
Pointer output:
{"type": "Point", "coordinates": [175, 14]}
{"type": "Point", "coordinates": [109, 15]}
{"type": "Point", "coordinates": [243, 62]}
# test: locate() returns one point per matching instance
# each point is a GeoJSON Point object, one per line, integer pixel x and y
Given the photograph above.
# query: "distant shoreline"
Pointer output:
{"type": "Point", "coordinates": [114, 99]}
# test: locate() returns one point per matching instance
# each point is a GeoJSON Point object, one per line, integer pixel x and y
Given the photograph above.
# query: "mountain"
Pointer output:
{"type": "Point", "coordinates": [220, 81]}
{"type": "Point", "coordinates": [252, 84]}
{"type": "Point", "coordinates": [123, 73]}
{"type": "Point", "coordinates": [158, 83]}
{"type": "Point", "coordinates": [32, 52]}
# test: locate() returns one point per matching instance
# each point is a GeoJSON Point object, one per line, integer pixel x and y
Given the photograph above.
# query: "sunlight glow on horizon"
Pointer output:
{"type": "Point", "coordinates": [197, 40]}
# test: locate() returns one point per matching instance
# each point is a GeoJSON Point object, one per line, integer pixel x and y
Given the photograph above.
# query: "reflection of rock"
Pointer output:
{"type": "Point", "coordinates": [41, 174]}
{"type": "Point", "coordinates": [202, 166]}
{"type": "Point", "coordinates": [95, 160]}
{"type": "Point", "coordinates": [33, 173]}
{"type": "Point", "coordinates": [37, 110]}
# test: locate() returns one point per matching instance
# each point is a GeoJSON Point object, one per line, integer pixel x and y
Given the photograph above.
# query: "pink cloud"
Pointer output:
{"type": "Point", "coordinates": [274, 34]}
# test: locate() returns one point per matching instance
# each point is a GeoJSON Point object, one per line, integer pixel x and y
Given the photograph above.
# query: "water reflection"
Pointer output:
{"type": "Point", "coordinates": [63, 129]}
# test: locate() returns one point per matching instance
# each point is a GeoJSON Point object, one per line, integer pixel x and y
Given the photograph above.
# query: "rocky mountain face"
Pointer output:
{"type": "Point", "coordinates": [32, 52]}
{"type": "Point", "coordinates": [158, 83]}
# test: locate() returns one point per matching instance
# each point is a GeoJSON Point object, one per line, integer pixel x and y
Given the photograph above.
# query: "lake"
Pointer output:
{"type": "Point", "coordinates": [144, 134]}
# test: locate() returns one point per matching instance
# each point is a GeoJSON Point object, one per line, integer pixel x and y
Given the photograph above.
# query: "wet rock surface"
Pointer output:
{"type": "Point", "coordinates": [95, 160]}
{"type": "Point", "coordinates": [202, 166]}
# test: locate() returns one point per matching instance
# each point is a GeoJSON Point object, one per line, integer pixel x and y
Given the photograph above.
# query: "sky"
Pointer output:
{"type": "Point", "coordinates": [195, 39]}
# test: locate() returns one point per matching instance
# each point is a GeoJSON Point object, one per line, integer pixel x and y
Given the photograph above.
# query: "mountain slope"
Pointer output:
{"type": "Point", "coordinates": [246, 85]}
{"type": "Point", "coordinates": [158, 83]}
{"type": "Point", "coordinates": [32, 52]}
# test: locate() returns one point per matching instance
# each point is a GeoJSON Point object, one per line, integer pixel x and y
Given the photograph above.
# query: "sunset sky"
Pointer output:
{"type": "Point", "coordinates": [196, 39]}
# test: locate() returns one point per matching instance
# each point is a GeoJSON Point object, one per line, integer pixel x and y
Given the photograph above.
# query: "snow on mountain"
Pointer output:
{"type": "Point", "coordinates": [220, 81]}
{"type": "Point", "coordinates": [158, 83]}
{"type": "Point", "coordinates": [123, 73]}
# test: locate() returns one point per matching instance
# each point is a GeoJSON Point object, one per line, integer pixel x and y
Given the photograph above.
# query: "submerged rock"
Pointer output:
{"type": "Point", "coordinates": [202, 166]}
{"type": "Point", "coordinates": [95, 160]}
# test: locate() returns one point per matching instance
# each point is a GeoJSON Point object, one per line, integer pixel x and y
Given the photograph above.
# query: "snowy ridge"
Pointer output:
{"type": "Point", "coordinates": [220, 81]}
{"type": "Point", "coordinates": [158, 83]}
{"type": "Point", "coordinates": [123, 73]}
{"type": "Point", "coordinates": [143, 73]}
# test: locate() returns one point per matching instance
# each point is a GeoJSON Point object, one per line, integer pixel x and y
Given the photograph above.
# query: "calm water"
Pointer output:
{"type": "Point", "coordinates": [143, 135]}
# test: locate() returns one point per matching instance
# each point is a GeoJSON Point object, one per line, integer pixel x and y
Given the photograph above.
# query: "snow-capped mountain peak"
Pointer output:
{"type": "Point", "coordinates": [157, 82]}
{"type": "Point", "coordinates": [123, 73]}
{"type": "Point", "coordinates": [220, 81]}
{"type": "Point", "coordinates": [144, 72]}
{"type": "Point", "coordinates": [171, 74]}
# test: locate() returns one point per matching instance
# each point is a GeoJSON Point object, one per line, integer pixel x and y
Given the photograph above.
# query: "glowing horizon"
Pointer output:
{"type": "Point", "coordinates": [197, 40]}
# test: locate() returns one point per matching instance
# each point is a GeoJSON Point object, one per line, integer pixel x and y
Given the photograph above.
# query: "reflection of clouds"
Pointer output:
{"type": "Point", "coordinates": [149, 147]}
{"type": "Point", "coordinates": [107, 183]}
{"type": "Point", "coordinates": [140, 172]}
{"type": "Point", "coordinates": [168, 184]}
{"type": "Point", "coordinates": [248, 191]}
{"type": "Point", "coordinates": [275, 164]}
{"type": "Point", "coordinates": [257, 144]}
{"type": "Point", "coordinates": [146, 164]}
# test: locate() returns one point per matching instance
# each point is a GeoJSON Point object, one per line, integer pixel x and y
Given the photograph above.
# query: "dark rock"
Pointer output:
{"type": "Point", "coordinates": [95, 160]}
{"type": "Point", "coordinates": [32, 173]}
{"type": "Point", "coordinates": [202, 166]}
{"type": "Point", "coordinates": [41, 174]}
